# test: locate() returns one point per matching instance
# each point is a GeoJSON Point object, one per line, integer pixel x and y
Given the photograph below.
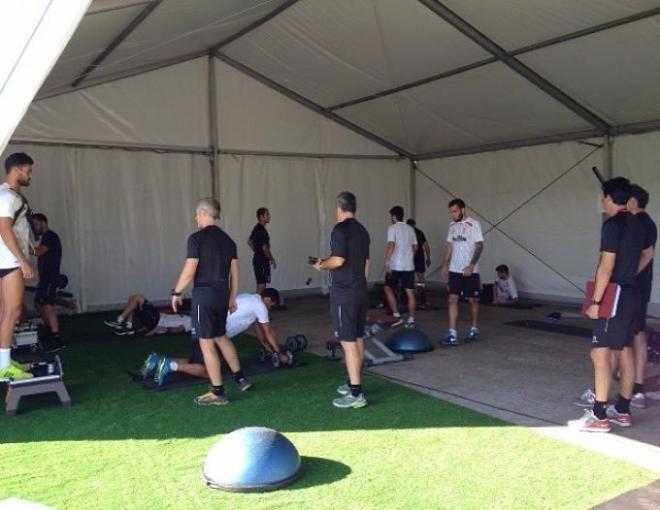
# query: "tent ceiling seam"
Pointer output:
{"type": "Point", "coordinates": [519, 51]}
{"type": "Point", "coordinates": [513, 63]}
{"type": "Point", "coordinates": [128, 30]}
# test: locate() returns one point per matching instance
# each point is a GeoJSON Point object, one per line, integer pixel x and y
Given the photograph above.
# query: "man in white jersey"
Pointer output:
{"type": "Point", "coordinates": [465, 242]}
{"type": "Point", "coordinates": [400, 265]}
{"type": "Point", "coordinates": [251, 310]}
{"type": "Point", "coordinates": [14, 252]}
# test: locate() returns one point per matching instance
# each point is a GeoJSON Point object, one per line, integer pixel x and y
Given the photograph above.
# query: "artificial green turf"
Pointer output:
{"type": "Point", "coordinates": [123, 447]}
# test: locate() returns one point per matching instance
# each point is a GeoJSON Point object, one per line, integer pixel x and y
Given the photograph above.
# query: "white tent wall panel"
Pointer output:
{"type": "Point", "coordinates": [485, 105]}
{"type": "Point", "coordinates": [300, 194]}
{"type": "Point", "coordinates": [181, 27]}
{"type": "Point", "coordinates": [540, 20]}
{"type": "Point", "coordinates": [92, 36]}
{"type": "Point", "coordinates": [561, 226]}
{"type": "Point", "coordinates": [637, 157]}
{"type": "Point", "coordinates": [336, 51]}
{"type": "Point", "coordinates": [615, 73]}
{"type": "Point", "coordinates": [167, 107]}
{"type": "Point", "coordinates": [254, 117]}
{"type": "Point", "coordinates": [123, 216]}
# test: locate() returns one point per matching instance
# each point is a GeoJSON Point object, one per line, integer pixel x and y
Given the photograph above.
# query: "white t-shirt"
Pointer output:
{"type": "Point", "coordinates": [174, 320]}
{"type": "Point", "coordinates": [463, 235]}
{"type": "Point", "coordinates": [506, 289]}
{"type": "Point", "coordinates": [249, 308]}
{"type": "Point", "coordinates": [10, 204]}
{"type": "Point", "coordinates": [404, 238]}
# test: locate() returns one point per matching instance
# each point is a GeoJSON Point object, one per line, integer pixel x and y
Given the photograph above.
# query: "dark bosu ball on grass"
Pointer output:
{"type": "Point", "coordinates": [252, 459]}
{"type": "Point", "coordinates": [409, 340]}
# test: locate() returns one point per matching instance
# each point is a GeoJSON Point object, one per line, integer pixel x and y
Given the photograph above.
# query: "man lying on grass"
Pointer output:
{"type": "Point", "coordinates": [251, 310]}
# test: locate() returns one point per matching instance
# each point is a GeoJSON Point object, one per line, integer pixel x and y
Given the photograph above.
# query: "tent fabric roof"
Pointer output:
{"type": "Point", "coordinates": [430, 77]}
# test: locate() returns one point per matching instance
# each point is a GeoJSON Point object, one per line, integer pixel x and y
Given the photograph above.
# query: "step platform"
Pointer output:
{"type": "Point", "coordinates": [47, 378]}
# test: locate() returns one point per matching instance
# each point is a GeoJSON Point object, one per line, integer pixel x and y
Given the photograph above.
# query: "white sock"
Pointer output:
{"type": "Point", "coordinates": [411, 318]}
{"type": "Point", "coordinates": [120, 319]}
{"type": "Point", "coordinates": [129, 324]}
{"type": "Point", "coordinates": [474, 329]}
{"type": "Point", "coordinates": [396, 314]}
{"type": "Point", "coordinates": [453, 332]}
{"type": "Point", "coordinates": [173, 366]}
{"type": "Point", "coordinates": [5, 358]}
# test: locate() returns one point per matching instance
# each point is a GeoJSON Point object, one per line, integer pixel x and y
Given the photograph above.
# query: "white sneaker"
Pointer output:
{"type": "Point", "coordinates": [638, 401]}
{"type": "Point", "coordinates": [590, 423]}
{"type": "Point", "coordinates": [410, 323]}
{"type": "Point", "coordinates": [587, 398]}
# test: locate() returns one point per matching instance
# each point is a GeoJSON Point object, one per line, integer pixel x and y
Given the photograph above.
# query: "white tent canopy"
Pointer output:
{"type": "Point", "coordinates": [284, 103]}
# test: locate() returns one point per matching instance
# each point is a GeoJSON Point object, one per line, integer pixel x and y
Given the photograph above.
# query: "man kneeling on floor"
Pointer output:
{"type": "Point", "coordinates": [251, 309]}
{"type": "Point", "coordinates": [153, 321]}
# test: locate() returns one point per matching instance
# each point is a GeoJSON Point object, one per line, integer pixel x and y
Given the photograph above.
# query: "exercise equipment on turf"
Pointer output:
{"type": "Point", "coordinates": [409, 340]}
{"type": "Point", "coordinates": [252, 459]}
{"type": "Point", "coordinates": [296, 343]}
{"type": "Point", "coordinates": [47, 378]}
{"type": "Point", "coordinates": [379, 353]}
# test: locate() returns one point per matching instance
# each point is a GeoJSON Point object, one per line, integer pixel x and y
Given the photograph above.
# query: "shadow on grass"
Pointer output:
{"type": "Point", "coordinates": [107, 406]}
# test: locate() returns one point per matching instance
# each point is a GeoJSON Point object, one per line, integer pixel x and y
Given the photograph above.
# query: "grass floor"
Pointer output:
{"type": "Point", "coordinates": [123, 447]}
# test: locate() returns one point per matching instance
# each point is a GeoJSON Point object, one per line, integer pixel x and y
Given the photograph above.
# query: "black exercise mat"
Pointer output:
{"type": "Point", "coordinates": [182, 380]}
{"type": "Point", "coordinates": [553, 327]}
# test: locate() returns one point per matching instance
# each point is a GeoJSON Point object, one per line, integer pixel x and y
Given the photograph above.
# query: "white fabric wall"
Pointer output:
{"type": "Point", "coordinates": [637, 157]}
{"type": "Point", "coordinates": [561, 226]}
{"type": "Point", "coordinates": [300, 193]}
{"type": "Point", "coordinates": [123, 217]}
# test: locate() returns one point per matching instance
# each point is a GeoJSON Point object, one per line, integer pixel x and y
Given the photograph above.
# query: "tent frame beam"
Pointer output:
{"type": "Point", "coordinates": [525, 49]}
{"type": "Point", "coordinates": [516, 65]}
{"type": "Point", "coordinates": [116, 41]}
{"type": "Point", "coordinates": [141, 147]}
{"type": "Point", "coordinates": [311, 105]}
{"type": "Point", "coordinates": [252, 26]}
{"type": "Point", "coordinates": [283, 154]}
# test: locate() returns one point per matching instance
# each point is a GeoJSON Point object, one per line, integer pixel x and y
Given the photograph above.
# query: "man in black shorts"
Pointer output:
{"type": "Point", "coordinates": [622, 241]}
{"type": "Point", "coordinates": [259, 243]}
{"type": "Point", "coordinates": [465, 242]}
{"type": "Point", "coordinates": [49, 257]}
{"type": "Point", "coordinates": [422, 262]}
{"type": "Point", "coordinates": [213, 265]}
{"type": "Point", "coordinates": [348, 264]}
{"type": "Point", "coordinates": [639, 199]}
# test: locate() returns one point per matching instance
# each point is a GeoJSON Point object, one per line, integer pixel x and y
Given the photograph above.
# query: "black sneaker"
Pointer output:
{"type": "Point", "coordinates": [124, 331]}
{"type": "Point", "coordinates": [244, 384]}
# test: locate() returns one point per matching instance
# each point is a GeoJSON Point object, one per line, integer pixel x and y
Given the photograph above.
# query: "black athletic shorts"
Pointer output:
{"type": "Point", "coordinates": [209, 312]}
{"type": "Point", "coordinates": [420, 265]}
{"type": "Point", "coordinates": [348, 320]}
{"type": "Point", "coordinates": [46, 290]}
{"type": "Point", "coordinates": [469, 286]}
{"type": "Point", "coordinates": [261, 270]}
{"type": "Point", "coordinates": [640, 322]}
{"type": "Point", "coordinates": [404, 278]}
{"type": "Point", "coordinates": [619, 331]}
{"type": "Point", "coordinates": [148, 315]}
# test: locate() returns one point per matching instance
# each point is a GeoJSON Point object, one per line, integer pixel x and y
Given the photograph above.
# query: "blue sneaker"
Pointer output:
{"type": "Point", "coordinates": [473, 335]}
{"type": "Point", "coordinates": [162, 371]}
{"type": "Point", "coordinates": [449, 338]}
{"type": "Point", "coordinates": [150, 364]}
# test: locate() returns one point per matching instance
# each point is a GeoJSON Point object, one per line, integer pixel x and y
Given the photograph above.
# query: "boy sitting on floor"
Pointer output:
{"type": "Point", "coordinates": [252, 310]}
{"type": "Point", "coordinates": [504, 289]}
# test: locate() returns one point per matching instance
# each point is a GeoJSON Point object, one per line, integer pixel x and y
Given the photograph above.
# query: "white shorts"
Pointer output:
{"type": "Point", "coordinates": [172, 320]}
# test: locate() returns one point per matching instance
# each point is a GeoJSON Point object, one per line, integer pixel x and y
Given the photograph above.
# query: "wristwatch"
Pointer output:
{"type": "Point", "coordinates": [175, 293]}
{"type": "Point", "coordinates": [594, 302]}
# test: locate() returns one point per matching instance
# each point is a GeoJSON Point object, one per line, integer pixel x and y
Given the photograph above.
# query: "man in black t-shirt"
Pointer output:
{"type": "Point", "coordinates": [49, 258]}
{"type": "Point", "coordinates": [622, 242]}
{"type": "Point", "coordinates": [212, 263]}
{"type": "Point", "coordinates": [639, 199]}
{"type": "Point", "coordinates": [259, 243]}
{"type": "Point", "coordinates": [348, 264]}
{"type": "Point", "coordinates": [422, 260]}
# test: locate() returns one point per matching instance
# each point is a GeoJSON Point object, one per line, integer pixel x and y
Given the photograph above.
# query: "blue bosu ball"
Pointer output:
{"type": "Point", "coordinates": [252, 459]}
{"type": "Point", "coordinates": [409, 340]}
